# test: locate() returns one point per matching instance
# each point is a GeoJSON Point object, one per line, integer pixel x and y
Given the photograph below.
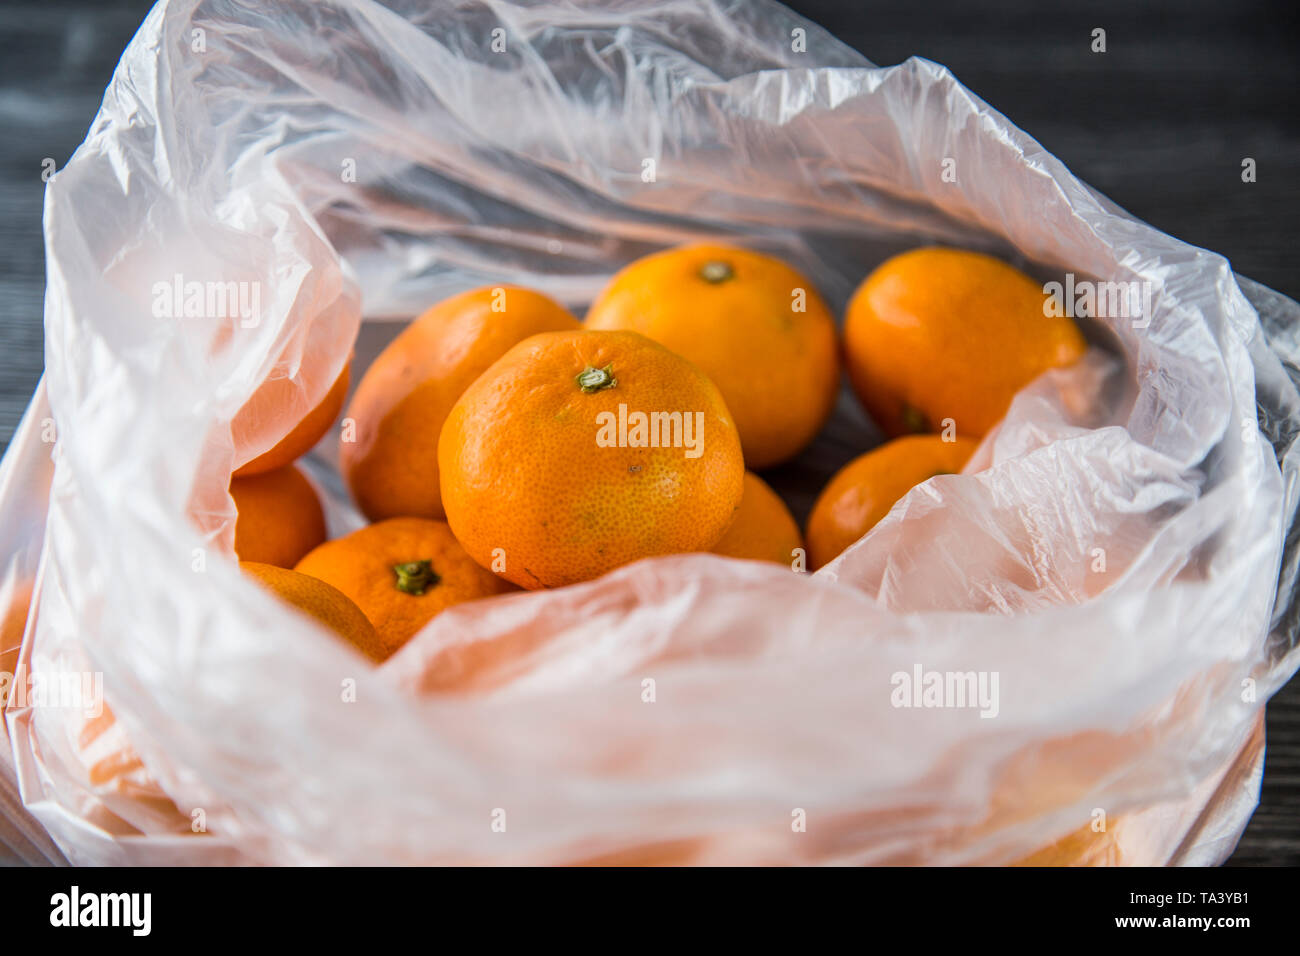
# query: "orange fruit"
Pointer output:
{"type": "Point", "coordinates": [578, 452]}
{"type": "Point", "coordinates": [936, 334]}
{"type": "Point", "coordinates": [280, 518]}
{"type": "Point", "coordinates": [764, 529]}
{"type": "Point", "coordinates": [402, 573]}
{"type": "Point", "coordinates": [863, 491]}
{"type": "Point", "coordinates": [12, 625]}
{"type": "Point", "coordinates": [326, 603]}
{"type": "Point", "coordinates": [392, 465]}
{"type": "Point", "coordinates": [303, 436]}
{"type": "Point", "coordinates": [1083, 847]}
{"type": "Point", "coordinates": [751, 323]}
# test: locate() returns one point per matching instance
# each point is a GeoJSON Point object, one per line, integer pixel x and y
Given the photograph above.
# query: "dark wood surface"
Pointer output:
{"type": "Point", "coordinates": [1160, 123]}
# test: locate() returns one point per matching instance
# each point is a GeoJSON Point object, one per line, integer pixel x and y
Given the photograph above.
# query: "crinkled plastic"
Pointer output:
{"type": "Point", "coordinates": [1115, 554]}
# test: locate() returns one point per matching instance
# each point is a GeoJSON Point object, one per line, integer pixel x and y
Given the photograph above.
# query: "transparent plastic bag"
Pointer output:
{"type": "Point", "coordinates": [349, 157]}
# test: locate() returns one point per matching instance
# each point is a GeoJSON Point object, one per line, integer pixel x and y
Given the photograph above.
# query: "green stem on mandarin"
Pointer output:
{"type": "Point", "coordinates": [716, 271]}
{"type": "Point", "coordinates": [594, 379]}
{"type": "Point", "coordinates": [415, 577]}
{"type": "Point", "coordinates": [914, 419]}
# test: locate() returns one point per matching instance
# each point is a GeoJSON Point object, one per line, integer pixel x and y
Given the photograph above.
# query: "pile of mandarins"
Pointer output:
{"type": "Point", "coordinates": [499, 443]}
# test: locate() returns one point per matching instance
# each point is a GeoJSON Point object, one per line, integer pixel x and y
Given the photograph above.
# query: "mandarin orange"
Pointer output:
{"type": "Point", "coordinates": [303, 436]}
{"type": "Point", "coordinates": [391, 466]}
{"type": "Point", "coordinates": [402, 573]}
{"type": "Point", "coordinates": [764, 529]}
{"type": "Point", "coordinates": [751, 323]}
{"type": "Point", "coordinates": [936, 334]}
{"type": "Point", "coordinates": [864, 490]}
{"type": "Point", "coordinates": [280, 517]}
{"type": "Point", "coordinates": [578, 452]}
{"type": "Point", "coordinates": [322, 601]}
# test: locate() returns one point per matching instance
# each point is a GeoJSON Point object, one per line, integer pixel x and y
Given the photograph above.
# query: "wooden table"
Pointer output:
{"type": "Point", "coordinates": [1160, 123]}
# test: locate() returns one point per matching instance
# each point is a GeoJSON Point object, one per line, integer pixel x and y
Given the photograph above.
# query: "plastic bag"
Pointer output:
{"type": "Point", "coordinates": [1115, 564]}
